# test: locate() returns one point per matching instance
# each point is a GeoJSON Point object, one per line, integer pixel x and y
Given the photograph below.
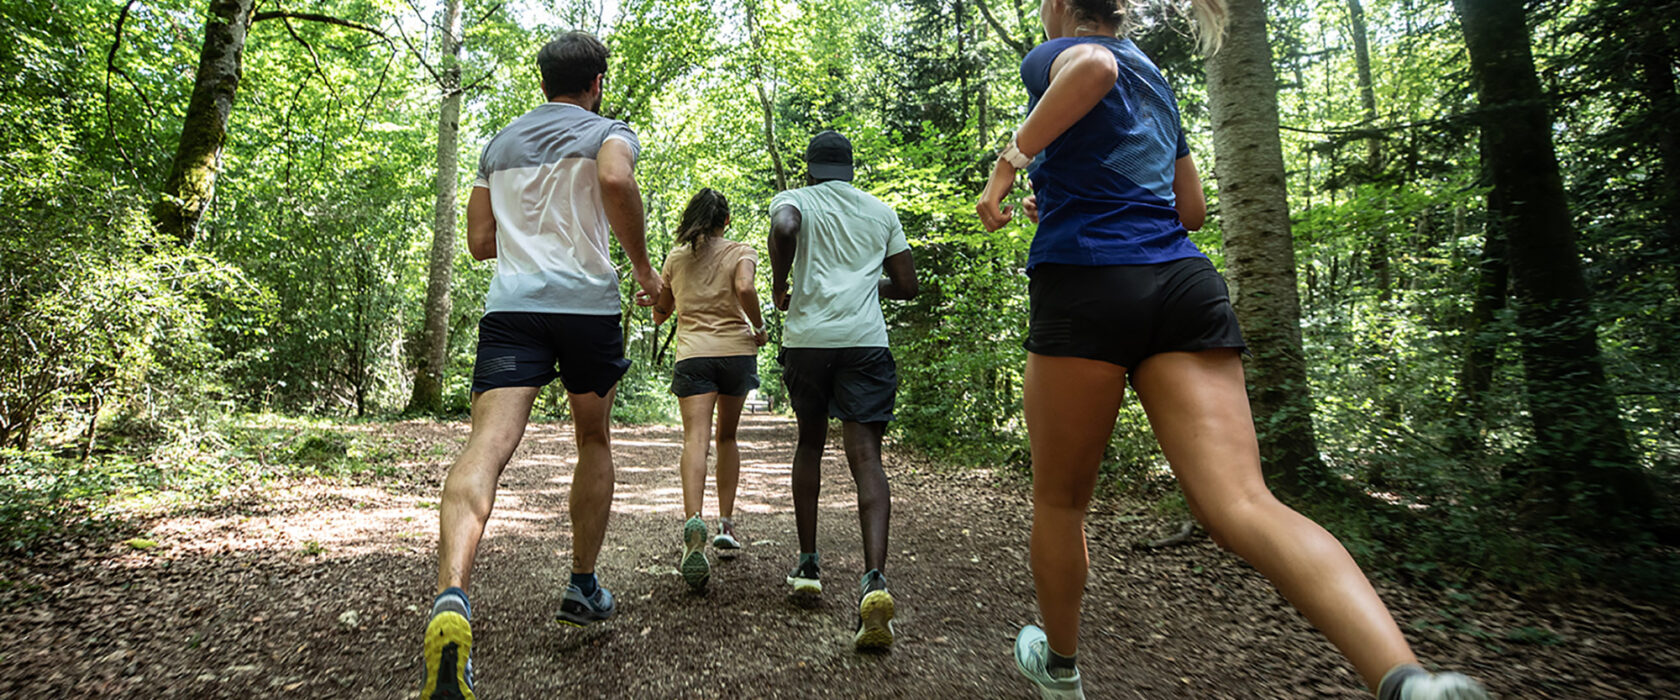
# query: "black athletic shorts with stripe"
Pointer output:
{"type": "Point", "coordinates": [1122, 314]}
{"type": "Point", "coordinates": [530, 349]}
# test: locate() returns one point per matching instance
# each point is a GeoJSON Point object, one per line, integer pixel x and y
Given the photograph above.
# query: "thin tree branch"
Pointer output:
{"type": "Point", "coordinates": [111, 67]}
{"type": "Point", "coordinates": [479, 81]}
{"type": "Point", "coordinates": [418, 54]}
{"type": "Point", "coordinates": [1365, 131]}
{"type": "Point", "coordinates": [314, 57]}
{"type": "Point", "coordinates": [1001, 32]}
{"type": "Point", "coordinates": [421, 14]}
{"type": "Point", "coordinates": [383, 74]}
{"type": "Point", "coordinates": [486, 14]}
{"type": "Point", "coordinates": [313, 17]}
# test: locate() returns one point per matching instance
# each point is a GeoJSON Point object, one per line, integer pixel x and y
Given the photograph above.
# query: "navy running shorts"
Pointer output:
{"type": "Point", "coordinates": [853, 384]}
{"type": "Point", "coordinates": [530, 349]}
{"type": "Point", "coordinates": [734, 375]}
{"type": "Point", "coordinates": [1122, 314]}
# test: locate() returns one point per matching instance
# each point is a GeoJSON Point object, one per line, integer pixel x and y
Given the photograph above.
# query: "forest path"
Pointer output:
{"type": "Point", "coordinates": [320, 589]}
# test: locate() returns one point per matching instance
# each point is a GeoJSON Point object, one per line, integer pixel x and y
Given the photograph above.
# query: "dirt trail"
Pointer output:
{"type": "Point", "coordinates": [319, 589]}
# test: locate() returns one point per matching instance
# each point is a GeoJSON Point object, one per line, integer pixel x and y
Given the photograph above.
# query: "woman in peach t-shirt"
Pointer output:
{"type": "Point", "coordinates": [709, 288]}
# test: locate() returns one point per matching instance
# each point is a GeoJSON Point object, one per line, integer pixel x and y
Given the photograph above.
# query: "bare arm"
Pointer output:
{"type": "Point", "coordinates": [1079, 78]}
{"type": "Point", "coordinates": [747, 294]}
{"type": "Point", "coordinates": [784, 240]}
{"type": "Point", "coordinates": [616, 170]}
{"type": "Point", "coordinates": [481, 225]}
{"type": "Point", "coordinates": [666, 305]}
{"type": "Point", "coordinates": [1188, 197]}
{"type": "Point", "coordinates": [900, 282]}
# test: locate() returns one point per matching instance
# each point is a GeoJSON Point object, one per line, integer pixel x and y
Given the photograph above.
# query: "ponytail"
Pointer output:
{"type": "Point", "coordinates": [1208, 29]}
{"type": "Point", "coordinates": [705, 216]}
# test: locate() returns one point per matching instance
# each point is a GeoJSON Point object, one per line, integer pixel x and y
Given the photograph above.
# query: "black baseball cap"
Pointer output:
{"type": "Point", "coordinates": [829, 157]}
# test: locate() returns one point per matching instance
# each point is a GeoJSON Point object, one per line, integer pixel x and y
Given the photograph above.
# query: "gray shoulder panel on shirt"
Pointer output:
{"type": "Point", "coordinates": [549, 133]}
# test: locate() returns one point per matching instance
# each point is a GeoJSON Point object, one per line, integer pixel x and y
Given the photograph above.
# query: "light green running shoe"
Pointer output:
{"type": "Point", "coordinates": [696, 570]}
{"type": "Point", "coordinates": [1032, 656]}
{"type": "Point", "coordinates": [1409, 682]}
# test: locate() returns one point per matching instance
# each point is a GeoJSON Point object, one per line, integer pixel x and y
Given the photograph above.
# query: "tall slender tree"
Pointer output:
{"type": "Point", "coordinates": [1373, 142]}
{"type": "Point", "coordinates": [1582, 465]}
{"type": "Point", "coordinates": [1259, 250]}
{"type": "Point", "coordinates": [427, 396]}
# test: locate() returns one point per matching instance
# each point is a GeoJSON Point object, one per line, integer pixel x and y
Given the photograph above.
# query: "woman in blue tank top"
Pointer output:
{"type": "Point", "coordinates": [1118, 291]}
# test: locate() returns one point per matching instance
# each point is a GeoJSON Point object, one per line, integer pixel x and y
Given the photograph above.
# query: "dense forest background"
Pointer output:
{"type": "Point", "coordinates": [1452, 231]}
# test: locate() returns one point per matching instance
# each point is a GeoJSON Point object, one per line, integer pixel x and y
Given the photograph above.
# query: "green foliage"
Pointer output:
{"type": "Point", "coordinates": [44, 499]}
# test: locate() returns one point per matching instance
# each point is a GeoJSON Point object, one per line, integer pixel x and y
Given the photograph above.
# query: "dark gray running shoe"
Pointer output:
{"type": "Point", "coordinates": [806, 578]}
{"type": "Point", "coordinates": [577, 610]}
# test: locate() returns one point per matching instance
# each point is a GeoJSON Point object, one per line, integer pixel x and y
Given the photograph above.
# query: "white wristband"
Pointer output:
{"type": "Point", "coordinates": [1015, 157]}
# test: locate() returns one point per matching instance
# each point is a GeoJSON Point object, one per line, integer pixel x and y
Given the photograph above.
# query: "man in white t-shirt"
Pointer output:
{"type": "Point", "coordinates": [549, 186]}
{"type": "Point", "coordinates": [836, 240]}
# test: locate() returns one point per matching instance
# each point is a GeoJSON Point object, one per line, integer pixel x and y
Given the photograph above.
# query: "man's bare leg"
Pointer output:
{"type": "Point", "coordinates": [592, 481]}
{"type": "Point", "coordinates": [499, 417]}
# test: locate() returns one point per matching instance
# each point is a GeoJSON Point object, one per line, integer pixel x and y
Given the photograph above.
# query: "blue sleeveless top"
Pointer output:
{"type": "Point", "coordinates": [1105, 185]}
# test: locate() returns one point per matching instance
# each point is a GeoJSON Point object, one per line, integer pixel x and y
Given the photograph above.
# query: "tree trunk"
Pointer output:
{"type": "Point", "coordinates": [192, 175]}
{"type": "Point", "coordinates": [434, 350]}
{"type": "Point", "coordinates": [1259, 250]}
{"type": "Point", "coordinates": [1653, 54]}
{"type": "Point", "coordinates": [1373, 144]}
{"type": "Point", "coordinates": [1582, 465]}
{"type": "Point", "coordinates": [764, 102]}
{"type": "Point", "coordinates": [1481, 347]}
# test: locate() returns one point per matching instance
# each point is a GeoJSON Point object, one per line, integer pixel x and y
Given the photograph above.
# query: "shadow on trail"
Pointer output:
{"type": "Point", "coordinates": [322, 590]}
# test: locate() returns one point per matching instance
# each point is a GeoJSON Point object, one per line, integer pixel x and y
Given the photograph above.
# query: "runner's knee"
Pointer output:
{"type": "Point", "coordinates": [1247, 511]}
{"type": "Point", "coordinates": [592, 434]}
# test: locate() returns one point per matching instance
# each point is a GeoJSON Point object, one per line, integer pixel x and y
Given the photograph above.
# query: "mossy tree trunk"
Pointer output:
{"type": "Point", "coordinates": [192, 176]}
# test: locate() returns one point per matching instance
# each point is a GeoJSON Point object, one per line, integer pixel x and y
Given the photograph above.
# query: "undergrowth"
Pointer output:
{"type": "Point", "coordinates": [48, 495]}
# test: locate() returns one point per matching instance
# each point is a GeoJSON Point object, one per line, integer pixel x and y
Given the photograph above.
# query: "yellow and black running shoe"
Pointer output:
{"type": "Point", "coordinates": [448, 658]}
{"type": "Point", "coordinates": [875, 614]}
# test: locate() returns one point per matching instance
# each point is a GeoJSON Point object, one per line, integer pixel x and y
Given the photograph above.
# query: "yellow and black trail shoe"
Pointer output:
{"type": "Point", "coordinates": [449, 673]}
{"type": "Point", "coordinates": [875, 614]}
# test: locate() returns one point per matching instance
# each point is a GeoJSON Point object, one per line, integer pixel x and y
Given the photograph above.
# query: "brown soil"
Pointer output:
{"type": "Point", "coordinates": [320, 589]}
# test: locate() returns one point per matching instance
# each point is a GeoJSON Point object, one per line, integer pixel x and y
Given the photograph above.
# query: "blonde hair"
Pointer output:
{"type": "Point", "coordinates": [1208, 27]}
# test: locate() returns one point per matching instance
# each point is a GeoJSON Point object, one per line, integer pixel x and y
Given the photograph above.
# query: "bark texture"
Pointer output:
{"type": "Point", "coordinates": [192, 175]}
{"type": "Point", "coordinates": [434, 344]}
{"type": "Point", "coordinates": [1582, 466]}
{"type": "Point", "coordinates": [1259, 249]}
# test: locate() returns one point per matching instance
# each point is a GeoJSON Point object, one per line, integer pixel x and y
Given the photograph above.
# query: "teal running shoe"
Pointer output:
{"type": "Point", "coordinates": [696, 570]}
{"type": "Point", "coordinates": [1032, 657]}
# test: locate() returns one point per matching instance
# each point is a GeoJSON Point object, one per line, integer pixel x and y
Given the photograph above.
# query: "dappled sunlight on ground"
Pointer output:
{"type": "Point", "coordinates": [362, 517]}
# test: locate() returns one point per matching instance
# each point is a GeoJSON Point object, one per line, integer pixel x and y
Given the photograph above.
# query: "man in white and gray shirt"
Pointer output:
{"type": "Point", "coordinates": [549, 186]}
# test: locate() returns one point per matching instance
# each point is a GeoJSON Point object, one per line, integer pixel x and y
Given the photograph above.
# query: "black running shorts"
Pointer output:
{"type": "Point", "coordinates": [530, 349]}
{"type": "Point", "coordinates": [1125, 313]}
{"type": "Point", "coordinates": [734, 375]}
{"type": "Point", "coordinates": [852, 384]}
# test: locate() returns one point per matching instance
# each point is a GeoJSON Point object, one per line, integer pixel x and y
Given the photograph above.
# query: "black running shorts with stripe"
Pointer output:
{"type": "Point", "coordinates": [530, 349]}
